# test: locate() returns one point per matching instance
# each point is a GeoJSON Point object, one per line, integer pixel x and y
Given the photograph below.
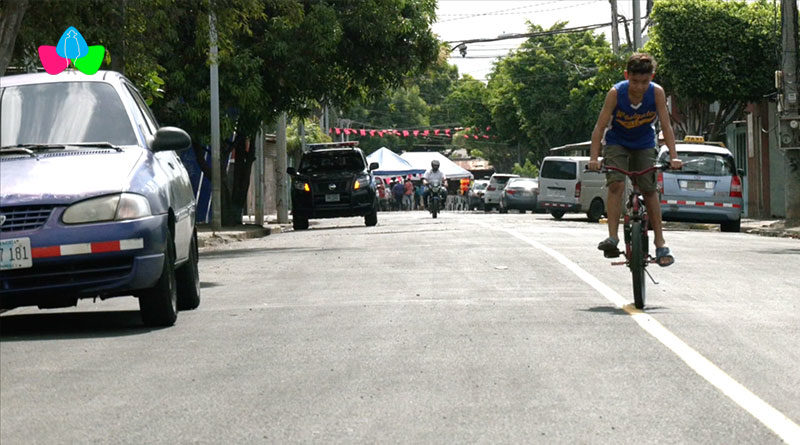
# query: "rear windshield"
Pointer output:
{"type": "Point", "coordinates": [527, 183]}
{"type": "Point", "coordinates": [63, 113]}
{"type": "Point", "coordinates": [332, 161]}
{"type": "Point", "coordinates": [559, 170]}
{"type": "Point", "coordinates": [706, 164]}
{"type": "Point", "coordinates": [500, 179]}
{"type": "Point", "coordinates": [481, 185]}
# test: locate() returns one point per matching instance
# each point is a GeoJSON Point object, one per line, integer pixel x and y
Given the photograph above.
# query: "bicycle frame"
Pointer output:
{"type": "Point", "coordinates": [635, 227]}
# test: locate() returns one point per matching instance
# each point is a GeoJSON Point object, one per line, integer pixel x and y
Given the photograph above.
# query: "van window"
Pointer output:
{"type": "Point", "coordinates": [559, 170]}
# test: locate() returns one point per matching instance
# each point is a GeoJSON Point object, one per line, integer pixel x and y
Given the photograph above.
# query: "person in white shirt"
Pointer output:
{"type": "Point", "coordinates": [434, 175]}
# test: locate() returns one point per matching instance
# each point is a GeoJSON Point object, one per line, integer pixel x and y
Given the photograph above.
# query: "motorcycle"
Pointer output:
{"type": "Point", "coordinates": [435, 204]}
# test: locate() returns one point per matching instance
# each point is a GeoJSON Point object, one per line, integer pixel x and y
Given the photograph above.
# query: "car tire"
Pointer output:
{"type": "Point", "coordinates": [521, 211]}
{"type": "Point", "coordinates": [188, 278]}
{"type": "Point", "coordinates": [371, 219]}
{"type": "Point", "coordinates": [731, 226]}
{"type": "Point", "coordinates": [596, 210]}
{"type": "Point", "coordinates": [557, 214]}
{"type": "Point", "coordinates": [299, 222]}
{"type": "Point", "coordinates": [158, 305]}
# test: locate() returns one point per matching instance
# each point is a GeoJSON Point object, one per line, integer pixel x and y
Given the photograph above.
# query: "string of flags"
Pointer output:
{"type": "Point", "coordinates": [474, 132]}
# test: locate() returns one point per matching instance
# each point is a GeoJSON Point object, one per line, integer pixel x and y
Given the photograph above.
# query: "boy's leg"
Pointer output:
{"type": "Point", "coordinates": [615, 156]}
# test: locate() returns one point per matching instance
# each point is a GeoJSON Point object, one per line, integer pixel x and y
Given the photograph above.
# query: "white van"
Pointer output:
{"type": "Point", "coordinates": [566, 187]}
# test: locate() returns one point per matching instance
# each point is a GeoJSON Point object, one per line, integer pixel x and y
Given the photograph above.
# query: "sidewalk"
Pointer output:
{"type": "Point", "coordinates": [774, 227]}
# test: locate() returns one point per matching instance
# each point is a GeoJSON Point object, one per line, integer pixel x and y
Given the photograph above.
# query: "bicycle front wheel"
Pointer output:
{"type": "Point", "coordinates": [636, 263]}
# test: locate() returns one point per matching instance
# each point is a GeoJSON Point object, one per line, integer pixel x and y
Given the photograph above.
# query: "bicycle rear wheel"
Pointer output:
{"type": "Point", "coordinates": [636, 263]}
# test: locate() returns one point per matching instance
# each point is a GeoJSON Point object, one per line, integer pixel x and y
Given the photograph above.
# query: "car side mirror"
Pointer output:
{"type": "Point", "coordinates": [171, 138]}
{"type": "Point", "coordinates": [292, 171]}
{"type": "Point", "coordinates": [373, 166]}
{"type": "Point", "coordinates": [740, 171]}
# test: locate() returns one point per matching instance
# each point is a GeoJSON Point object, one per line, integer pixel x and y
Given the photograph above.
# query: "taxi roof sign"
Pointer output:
{"type": "Point", "coordinates": [694, 139]}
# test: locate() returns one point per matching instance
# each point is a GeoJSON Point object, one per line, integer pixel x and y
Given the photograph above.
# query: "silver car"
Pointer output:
{"type": "Point", "coordinates": [520, 194]}
{"type": "Point", "coordinates": [708, 189]}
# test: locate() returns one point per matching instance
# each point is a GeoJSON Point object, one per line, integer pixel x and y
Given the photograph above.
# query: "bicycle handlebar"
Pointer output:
{"type": "Point", "coordinates": [607, 168]}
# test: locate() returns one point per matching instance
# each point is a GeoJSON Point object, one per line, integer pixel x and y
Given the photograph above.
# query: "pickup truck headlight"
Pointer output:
{"type": "Point", "coordinates": [118, 207]}
{"type": "Point", "coordinates": [361, 183]}
{"type": "Point", "coordinates": [302, 186]}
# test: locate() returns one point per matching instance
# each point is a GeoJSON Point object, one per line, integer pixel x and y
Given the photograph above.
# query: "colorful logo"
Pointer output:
{"type": "Point", "coordinates": [71, 48]}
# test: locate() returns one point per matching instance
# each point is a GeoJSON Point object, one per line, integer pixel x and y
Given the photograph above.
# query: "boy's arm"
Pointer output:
{"type": "Point", "coordinates": [666, 128]}
{"type": "Point", "coordinates": [600, 127]}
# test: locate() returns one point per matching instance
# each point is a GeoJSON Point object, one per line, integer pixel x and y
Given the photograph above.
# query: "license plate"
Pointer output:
{"type": "Point", "coordinates": [15, 253]}
{"type": "Point", "coordinates": [696, 185]}
{"type": "Point", "coordinates": [332, 197]}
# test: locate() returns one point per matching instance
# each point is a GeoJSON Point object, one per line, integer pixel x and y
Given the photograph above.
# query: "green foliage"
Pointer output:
{"type": "Point", "coordinates": [714, 50]}
{"type": "Point", "coordinates": [313, 134]}
{"type": "Point", "coordinates": [549, 91]}
{"type": "Point", "coordinates": [529, 170]}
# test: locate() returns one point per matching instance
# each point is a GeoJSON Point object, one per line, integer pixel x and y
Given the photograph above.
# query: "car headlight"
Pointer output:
{"type": "Point", "coordinates": [107, 208]}
{"type": "Point", "coordinates": [302, 186]}
{"type": "Point", "coordinates": [361, 183]}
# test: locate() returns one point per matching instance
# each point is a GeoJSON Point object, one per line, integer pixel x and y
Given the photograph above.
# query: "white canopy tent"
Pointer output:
{"type": "Point", "coordinates": [422, 160]}
{"type": "Point", "coordinates": [391, 164]}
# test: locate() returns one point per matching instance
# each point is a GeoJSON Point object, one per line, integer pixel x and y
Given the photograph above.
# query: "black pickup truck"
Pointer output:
{"type": "Point", "coordinates": [333, 181]}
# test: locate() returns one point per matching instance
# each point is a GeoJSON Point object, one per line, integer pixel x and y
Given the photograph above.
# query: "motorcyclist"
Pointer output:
{"type": "Point", "coordinates": [434, 175]}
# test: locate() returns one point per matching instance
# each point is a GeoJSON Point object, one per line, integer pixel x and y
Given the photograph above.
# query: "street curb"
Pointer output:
{"type": "Point", "coordinates": [211, 238]}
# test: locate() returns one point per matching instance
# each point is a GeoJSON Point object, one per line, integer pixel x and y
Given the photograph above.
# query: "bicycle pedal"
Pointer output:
{"type": "Point", "coordinates": [612, 253]}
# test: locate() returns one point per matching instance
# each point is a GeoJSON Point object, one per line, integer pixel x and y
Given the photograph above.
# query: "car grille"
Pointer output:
{"type": "Point", "coordinates": [88, 272]}
{"type": "Point", "coordinates": [324, 187]}
{"type": "Point", "coordinates": [16, 219]}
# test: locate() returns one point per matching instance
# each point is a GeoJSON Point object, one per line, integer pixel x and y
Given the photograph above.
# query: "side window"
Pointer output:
{"type": "Point", "coordinates": [144, 110]}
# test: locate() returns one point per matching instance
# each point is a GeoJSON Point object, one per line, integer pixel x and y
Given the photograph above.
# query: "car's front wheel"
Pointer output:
{"type": "Point", "coordinates": [299, 222]}
{"type": "Point", "coordinates": [159, 304]}
{"type": "Point", "coordinates": [188, 277]}
{"type": "Point", "coordinates": [371, 219]}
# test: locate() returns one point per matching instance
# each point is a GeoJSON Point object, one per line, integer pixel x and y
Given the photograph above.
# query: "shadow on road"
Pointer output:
{"type": "Point", "coordinates": [780, 251]}
{"type": "Point", "coordinates": [71, 325]}
{"type": "Point", "coordinates": [606, 310]}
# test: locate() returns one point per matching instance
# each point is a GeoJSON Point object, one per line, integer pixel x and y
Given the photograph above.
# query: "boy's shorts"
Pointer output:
{"type": "Point", "coordinates": [632, 161]}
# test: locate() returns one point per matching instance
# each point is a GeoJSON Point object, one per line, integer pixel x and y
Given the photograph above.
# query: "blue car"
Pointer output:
{"type": "Point", "coordinates": [94, 199]}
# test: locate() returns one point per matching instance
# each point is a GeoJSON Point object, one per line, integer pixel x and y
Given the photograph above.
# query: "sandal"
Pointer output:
{"type": "Point", "coordinates": [663, 257]}
{"type": "Point", "coordinates": [609, 247]}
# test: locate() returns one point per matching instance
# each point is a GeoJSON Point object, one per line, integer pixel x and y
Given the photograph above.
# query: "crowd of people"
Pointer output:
{"type": "Point", "coordinates": [401, 194]}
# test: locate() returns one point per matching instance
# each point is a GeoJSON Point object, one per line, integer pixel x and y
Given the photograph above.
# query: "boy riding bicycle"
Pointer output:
{"type": "Point", "coordinates": [626, 127]}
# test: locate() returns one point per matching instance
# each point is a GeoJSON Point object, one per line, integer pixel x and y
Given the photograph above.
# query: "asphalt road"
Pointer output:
{"type": "Point", "coordinates": [467, 328]}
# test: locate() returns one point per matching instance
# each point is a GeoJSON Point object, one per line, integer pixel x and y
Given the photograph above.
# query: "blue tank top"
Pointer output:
{"type": "Point", "coordinates": [633, 128]}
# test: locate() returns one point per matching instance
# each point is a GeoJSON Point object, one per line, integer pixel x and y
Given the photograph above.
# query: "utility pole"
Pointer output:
{"type": "Point", "coordinates": [216, 171]}
{"type": "Point", "coordinates": [637, 26]}
{"type": "Point", "coordinates": [258, 180]}
{"type": "Point", "coordinates": [614, 29]}
{"type": "Point", "coordinates": [280, 173]}
{"type": "Point", "coordinates": [789, 138]}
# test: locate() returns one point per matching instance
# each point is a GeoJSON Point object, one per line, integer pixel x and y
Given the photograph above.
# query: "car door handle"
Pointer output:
{"type": "Point", "coordinates": [170, 165]}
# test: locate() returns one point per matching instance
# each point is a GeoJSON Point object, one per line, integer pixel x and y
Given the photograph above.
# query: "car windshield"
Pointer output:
{"type": "Point", "coordinates": [707, 164]}
{"type": "Point", "coordinates": [64, 113]}
{"type": "Point", "coordinates": [331, 161]}
{"type": "Point", "coordinates": [559, 170]}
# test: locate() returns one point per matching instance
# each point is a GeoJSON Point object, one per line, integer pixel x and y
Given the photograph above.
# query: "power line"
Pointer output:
{"type": "Point", "coordinates": [506, 11]}
{"type": "Point", "coordinates": [462, 44]}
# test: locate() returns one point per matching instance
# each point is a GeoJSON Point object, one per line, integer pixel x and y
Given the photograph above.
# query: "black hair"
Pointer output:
{"type": "Point", "coordinates": [641, 63]}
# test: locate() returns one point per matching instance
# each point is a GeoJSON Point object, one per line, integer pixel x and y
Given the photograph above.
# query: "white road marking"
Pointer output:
{"type": "Point", "coordinates": [773, 419]}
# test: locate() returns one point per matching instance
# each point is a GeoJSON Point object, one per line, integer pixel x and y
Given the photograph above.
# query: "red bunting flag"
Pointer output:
{"type": "Point", "coordinates": [475, 136]}
{"type": "Point", "coordinates": [380, 133]}
{"type": "Point", "coordinates": [405, 133]}
{"type": "Point", "coordinates": [436, 132]}
{"type": "Point", "coordinates": [372, 132]}
{"type": "Point", "coordinates": [488, 128]}
{"type": "Point", "coordinates": [426, 132]}
{"type": "Point", "coordinates": [485, 137]}
{"type": "Point", "coordinates": [466, 136]}
{"type": "Point", "coordinates": [338, 131]}
{"type": "Point", "coordinates": [447, 131]}
{"type": "Point", "coordinates": [416, 133]}
{"type": "Point", "coordinates": [363, 132]}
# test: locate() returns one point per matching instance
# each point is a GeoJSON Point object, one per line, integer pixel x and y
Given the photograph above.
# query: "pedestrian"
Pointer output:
{"type": "Point", "coordinates": [408, 194]}
{"type": "Point", "coordinates": [397, 192]}
{"type": "Point", "coordinates": [418, 195]}
{"type": "Point", "coordinates": [626, 130]}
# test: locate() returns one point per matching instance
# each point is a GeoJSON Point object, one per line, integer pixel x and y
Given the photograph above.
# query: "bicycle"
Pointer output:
{"type": "Point", "coordinates": [635, 229]}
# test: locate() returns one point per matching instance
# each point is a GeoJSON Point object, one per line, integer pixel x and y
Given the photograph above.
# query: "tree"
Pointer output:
{"type": "Point", "coordinates": [10, 22]}
{"type": "Point", "coordinates": [713, 51]}
{"type": "Point", "coordinates": [549, 91]}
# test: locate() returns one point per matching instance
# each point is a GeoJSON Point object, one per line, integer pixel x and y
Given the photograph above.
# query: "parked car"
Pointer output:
{"type": "Point", "coordinates": [497, 182]}
{"type": "Point", "coordinates": [94, 200]}
{"type": "Point", "coordinates": [333, 181]}
{"type": "Point", "coordinates": [476, 193]}
{"type": "Point", "coordinates": [707, 189]}
{"type": "Point", "coordinates": [565, 186]}
{"type": "Point", "coordinates": [520, 194]}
